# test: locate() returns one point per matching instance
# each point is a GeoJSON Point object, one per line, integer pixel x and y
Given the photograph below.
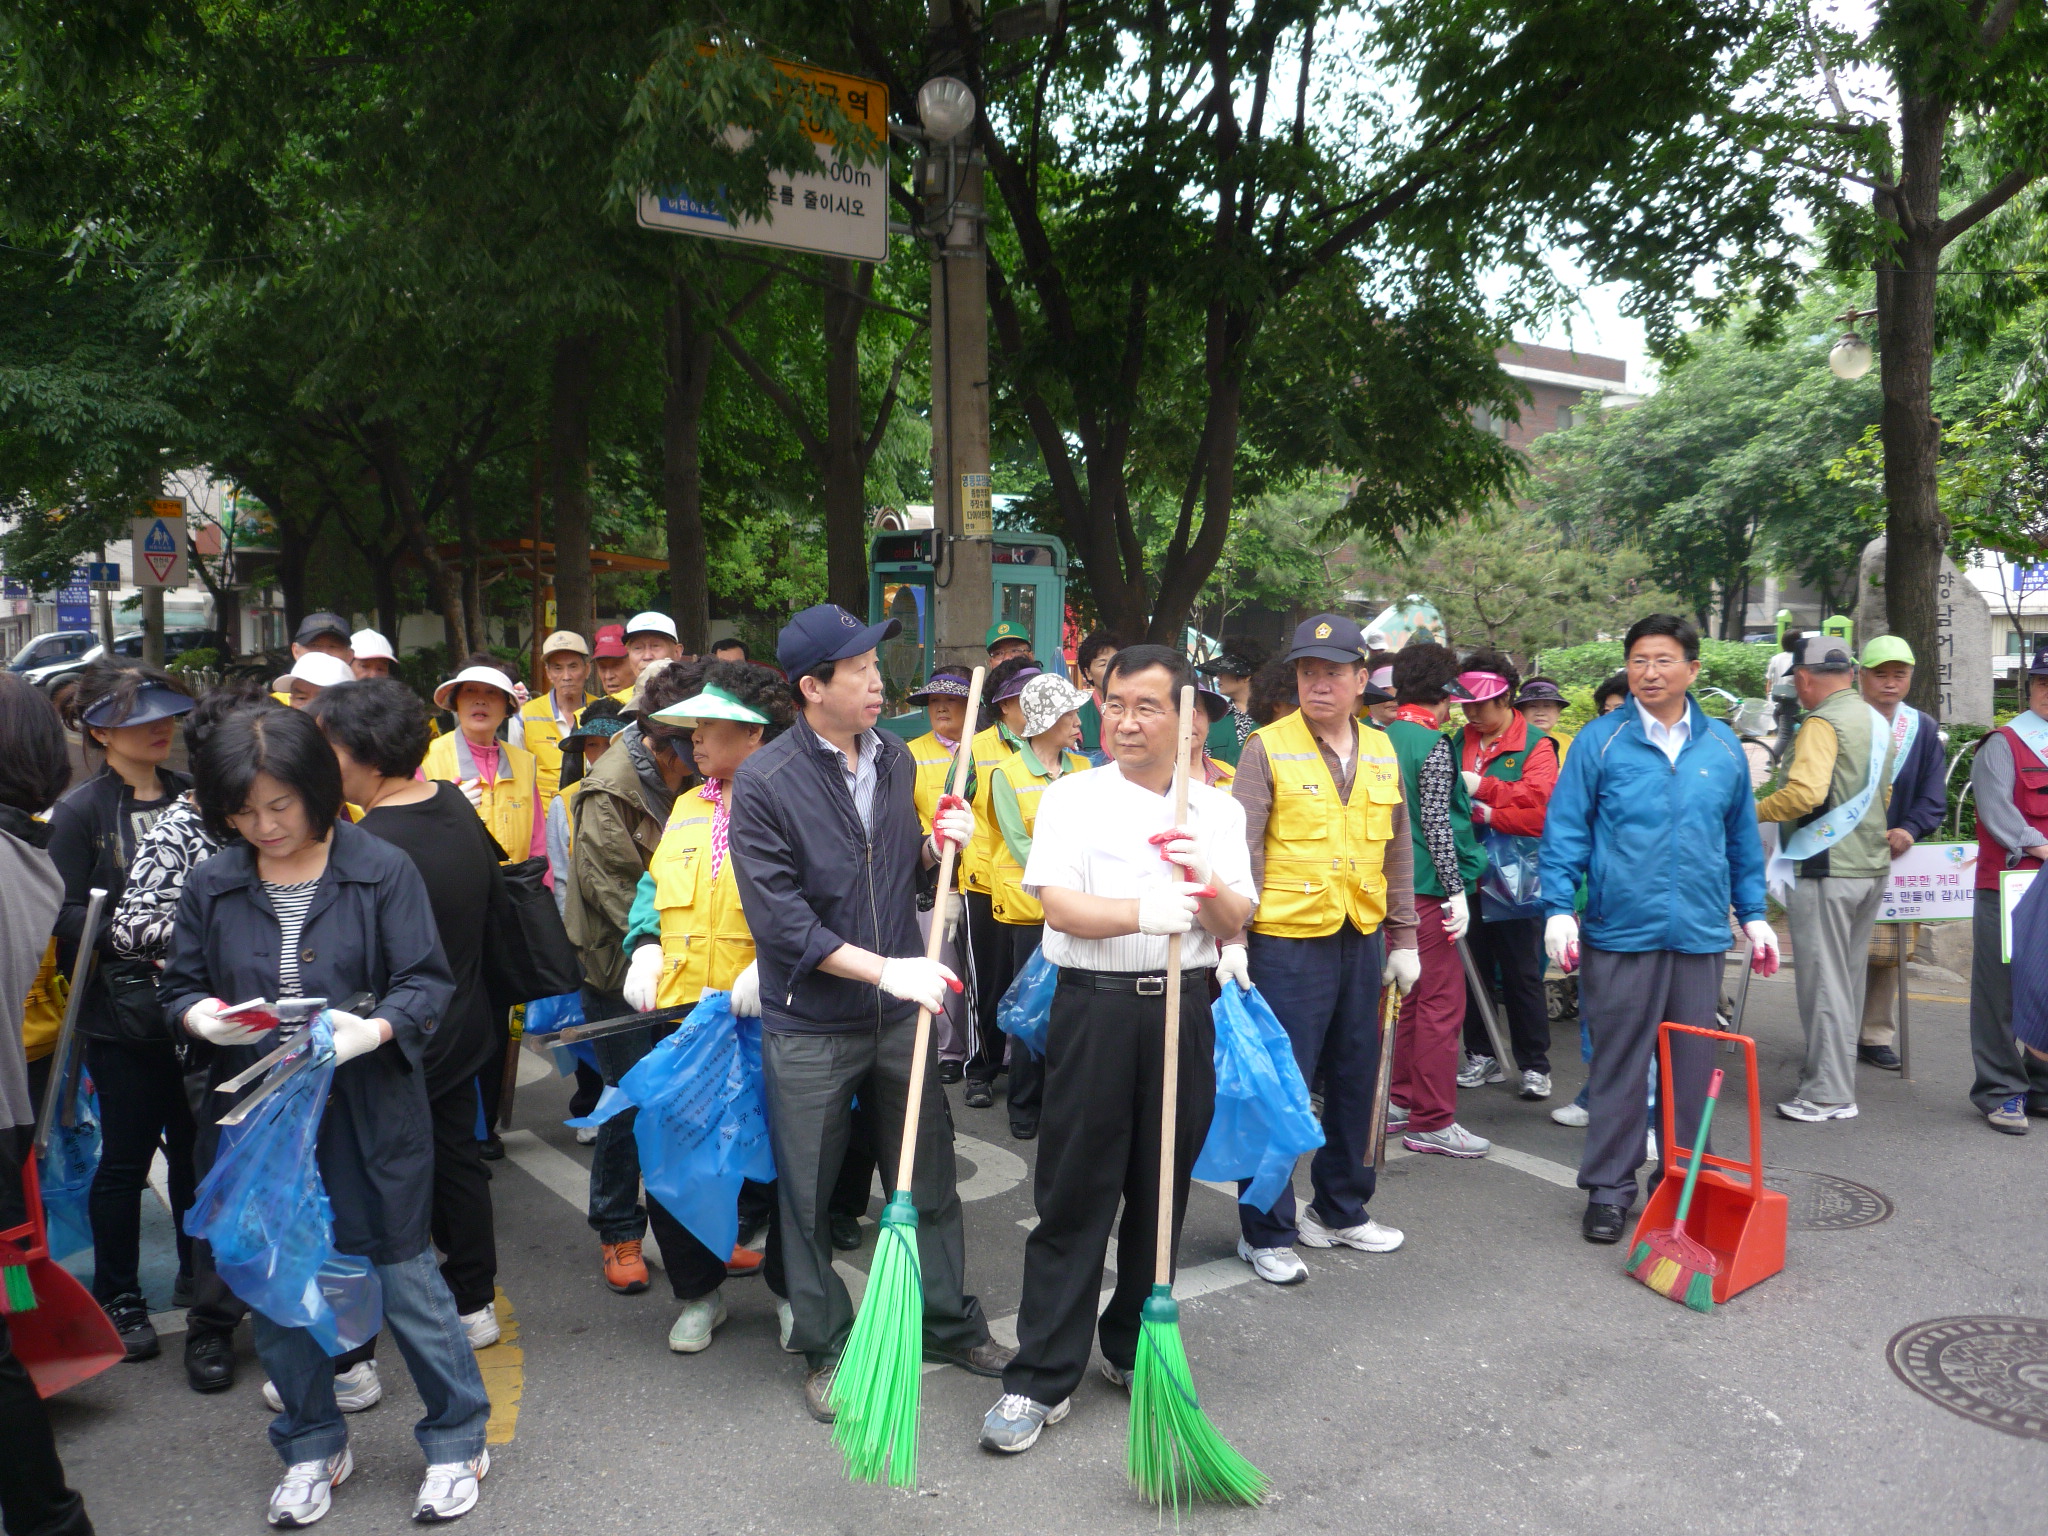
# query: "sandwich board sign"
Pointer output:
{"type": "Point", "coordinates": [836, 210]}
{"type": "Point", "coordinates": [158, 540]}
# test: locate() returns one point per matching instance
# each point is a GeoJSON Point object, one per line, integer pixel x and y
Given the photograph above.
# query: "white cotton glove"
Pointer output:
{"type": "Point", "coordinates": [643, 978]}
{"type": "Point", "coordinates": [473, 792]}
{"type": "Point", "coordinates": [1404, 969]}
{"type": "Point", "coordinates": [746, 992]}
{"type": "Point", "coordinates": [951, 909]}
{"type": "Point", "coordinates": [920, 981]}
{"type": "Point", "coordinates": [952, 822]}
{"type": "Point", "coordinates": [1183, 846]}
{"type": "Point", "coordinates": [1457, 916]}
{"type": "Point", "coordinates": [1764, 960]}
{"type": "Point", "coordinates": [1561, 941]}
{"type": "Point", "coordinates": [204, 1020]}
{"type": "Point", "coordinates": [1169, 908]}
{"type": "Point", "coordinates": [354, 1035]}
{"type": "Point", "coordinates": [1472, 783]}
{"type": "Point", "coordinates": [1234, 966]}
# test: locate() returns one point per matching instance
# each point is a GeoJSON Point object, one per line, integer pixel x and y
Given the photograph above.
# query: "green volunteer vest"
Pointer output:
{"type": "Point", "coordinates": [1412, 743]}
{"type": "Point", "coordinates": [1863, 854]}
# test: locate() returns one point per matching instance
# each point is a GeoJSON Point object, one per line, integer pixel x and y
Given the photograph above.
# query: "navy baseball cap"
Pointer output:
{"type": "Point", "coordinates": [314, 625]}
{"type": "Point", "coordinates": [825, 633]}
{"type": "Point", "coordinates": [1328, 637]}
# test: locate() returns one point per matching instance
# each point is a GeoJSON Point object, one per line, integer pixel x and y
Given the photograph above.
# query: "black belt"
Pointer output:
{"type": "Point", "coordinates": [1144, 983]}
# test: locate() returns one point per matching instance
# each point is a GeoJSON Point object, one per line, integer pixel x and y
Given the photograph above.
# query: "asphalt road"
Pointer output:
{"type": "Point", "coordinates": [1496, 1374]}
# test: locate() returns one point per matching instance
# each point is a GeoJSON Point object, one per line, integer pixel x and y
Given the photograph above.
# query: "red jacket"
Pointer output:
{"type": "Point", "coordinates": [1514, 806]}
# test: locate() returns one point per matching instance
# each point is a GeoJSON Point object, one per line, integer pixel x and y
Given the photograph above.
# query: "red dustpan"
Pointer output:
{"type": "Point", "coordinates": [65, 1338]}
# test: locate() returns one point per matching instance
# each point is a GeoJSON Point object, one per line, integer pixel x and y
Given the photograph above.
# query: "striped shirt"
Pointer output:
{"type": "Point", "coordinates": [291, 903]}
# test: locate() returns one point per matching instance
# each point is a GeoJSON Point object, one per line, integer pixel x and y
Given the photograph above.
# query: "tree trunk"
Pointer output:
{"type": "Point", "coordinates": [846, 564]}
{"type": "Point", "coordinates": [462, 497]}
{"type": "Point", "coordinates": [687, 355]}
{"type": "Point", "coordinates": [572, 384]}
{"type": "Point", "coordinates": [294, 549]}
{"type": "Point", "coordinates": [1915, 530]}
{"type": "Point", "coordinates": [1187, 569]}
{"type": "Point", "coordinates": [384, 584]}
{"type": "Point", "coordinates": [395, 477]}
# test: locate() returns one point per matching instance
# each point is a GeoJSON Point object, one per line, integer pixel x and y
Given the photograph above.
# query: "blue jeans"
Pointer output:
{"type": "Point", "coordinates": [615, 1213]}
{"type": "Point", "coordinates": [420, 1311]}
{"type": "Point", "coordinates": [1326, 994]}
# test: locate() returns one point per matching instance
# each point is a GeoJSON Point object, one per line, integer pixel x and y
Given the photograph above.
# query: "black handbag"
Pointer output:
{"type": "Point", "coordinates": [528, 954]}
{"type": "Point", "coordinates": [134, 1012]}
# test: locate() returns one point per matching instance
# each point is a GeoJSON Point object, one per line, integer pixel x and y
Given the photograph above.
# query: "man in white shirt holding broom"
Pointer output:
{"type": "Point", "coordinates": [1119, 882]}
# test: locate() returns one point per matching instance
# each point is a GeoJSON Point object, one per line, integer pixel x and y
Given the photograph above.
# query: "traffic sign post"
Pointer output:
{"type": "Point", "coordinates": [840, 209]}
{"type": "Point", "coordinates": [159, 553]}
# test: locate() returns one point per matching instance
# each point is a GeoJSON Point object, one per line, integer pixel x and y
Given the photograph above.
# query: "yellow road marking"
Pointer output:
{"type": "Point", "coordinates": [504, 1371]}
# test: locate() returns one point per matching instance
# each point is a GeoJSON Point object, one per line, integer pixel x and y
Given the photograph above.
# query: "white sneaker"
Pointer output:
{"type": "Point", "coordinates": [786, 1324]}
{"type": "Point", "coordinates": [1276, 1266]}
{"type": "Point", "coordinates": [1452, 1141]}
{"type": "Point", "coordinates": [355, 1389]}
{"type": "Point", "coordinates": [481, 1326]}
{"type": "Point", "coordinates": [1535, 1085]}
{"type": "Point", "coordinates": [1650, 1146]}
{"type": "Point", "coordinates": [586, 1135]}
{"type": "Point", "coordinates": [692, 1331]}
{"type": "Point", "coordinates": [449, 1489]}
{"type": "Point", "coordinates": [1570, 1114]}
{"type": "Point", "coordinates": [1801, 1109]}
{"type": "Point", "coordinates": [306, 1491]}
{"type": "Point", "coordinates": [1367, 1237]}
{"type": "Point", "coordinates": [1476, 1071]}
{"type": "Point", "coordinates": [1397, 1116]}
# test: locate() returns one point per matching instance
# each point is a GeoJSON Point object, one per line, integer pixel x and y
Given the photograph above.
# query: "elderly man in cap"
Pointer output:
{"type": "Point", "coordinates": [826, 848]}
{"type": "Point", "coordinates": [565, 658]}
{"type": "Point", "coordinates": [373, 654]}
{"type": "Point", "coordinates": [1831, 866]}
{"type": "Point", "coordinates": [1919, 800]}
{"type": "Point", "coordinates": [1007, 639]}
{"type": "Point", "coordinates": [2009, 782]}
{"type": "Point", "coordinates": [322, 632]}
{"type": "Point", "coordinates": [651, 639]}
{"type": "Point", "coordinates": [613, 663]}
{"type": "Point", "coordinates": [1334, 864]}
{"type": "Point", "coordinates": [310, 673]}
{"type": "Point", "coordinates": [944, 699]}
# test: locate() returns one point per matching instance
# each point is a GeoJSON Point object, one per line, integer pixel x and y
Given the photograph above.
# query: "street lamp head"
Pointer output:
{"type": "Point", "coordinates": [946, 108]}
{"type": "Point", "coordinates": [1851, 357]}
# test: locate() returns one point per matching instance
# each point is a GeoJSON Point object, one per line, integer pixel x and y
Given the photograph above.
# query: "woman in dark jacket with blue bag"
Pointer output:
{"type": "Point", "coordinates": [301, 904]}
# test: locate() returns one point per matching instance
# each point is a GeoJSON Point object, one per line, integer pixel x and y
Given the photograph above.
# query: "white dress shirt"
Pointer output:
{"type": "Point", "coordinates": [1668, 739]}
{"type": "Point", "coordinates": [1091, 837]}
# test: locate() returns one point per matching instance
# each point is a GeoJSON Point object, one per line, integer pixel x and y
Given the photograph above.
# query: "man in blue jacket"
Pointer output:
{"type": "Point", "coordinates": [1653, 813]}
{"type": "Point", "coordinates": [1918, 802]}
{"type": "Point", "coordinates": [826, 848]}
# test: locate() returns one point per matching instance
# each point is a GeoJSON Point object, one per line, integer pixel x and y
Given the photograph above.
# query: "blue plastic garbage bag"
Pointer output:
{"type": "Point", "coordinates": [264, 1209]}
{"type": "Point", "coordinates": [1263, 1121]}
{"type": "Point", "coordinates": [67, 1173]}
{"type": "Point", "coordinates": [702, 1129]}
{"type": "Point", "coordinates": [1027, 1005]}
{"type": "Point", "coordinates": [551, 1015]}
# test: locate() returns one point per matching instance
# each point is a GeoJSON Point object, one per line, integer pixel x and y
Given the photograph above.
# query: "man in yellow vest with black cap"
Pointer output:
{"type": "Point", "coordinates": [1334, 862]}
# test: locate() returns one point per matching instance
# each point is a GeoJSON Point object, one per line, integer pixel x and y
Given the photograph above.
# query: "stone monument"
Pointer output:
{"type": "Point", "coordinates": [1962, 634]}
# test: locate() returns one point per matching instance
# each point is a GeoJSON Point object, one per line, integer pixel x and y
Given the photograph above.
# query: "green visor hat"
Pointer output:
{"type": "Point", "coordinates": [711, 704]}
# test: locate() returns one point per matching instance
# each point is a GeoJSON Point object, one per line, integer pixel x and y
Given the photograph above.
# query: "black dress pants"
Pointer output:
{"type": "Point", "coordinates": [1515, 948]}
{"type": "Point", "coordinates": [993, 971]}
{"type": "Point", "coordinates": [141, 1089]}
{"type": "Point", "coordinates": [1098, 1144]}
{"type": "Point", "coordinates": [463, 1225]}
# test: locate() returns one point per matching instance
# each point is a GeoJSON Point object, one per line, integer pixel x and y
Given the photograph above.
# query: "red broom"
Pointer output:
{"type": "Point", "coordinates": [1669, 1262]}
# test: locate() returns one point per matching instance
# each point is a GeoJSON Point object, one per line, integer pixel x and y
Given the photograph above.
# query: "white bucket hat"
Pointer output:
{"type": "Point", "coordinates": [317, 668]}
{"type": "Point", "coordinates": [1045, 698]}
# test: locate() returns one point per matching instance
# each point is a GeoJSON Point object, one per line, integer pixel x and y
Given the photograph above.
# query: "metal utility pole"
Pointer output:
{"type": "Point", "coordinates": [951, 184]}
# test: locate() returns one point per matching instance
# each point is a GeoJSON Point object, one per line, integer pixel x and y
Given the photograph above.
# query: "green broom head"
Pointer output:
{"type": "Point", "coordinates": [875, 1390]}
{"type": "Point", "coordinates": [1175, 1455]}
{"type": "Point", "coordinates": [17, 1294]}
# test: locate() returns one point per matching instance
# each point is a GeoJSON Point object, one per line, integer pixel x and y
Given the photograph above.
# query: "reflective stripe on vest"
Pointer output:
{"type": "Point", "coordinates": [990, 753]}
{"type": "Point", "coordinates": [931, 759]}
{"type": "Point", "coordinates": [704, 937]}
{"type": "Point", "coordinates": [507, 807]}
{"type": "Point", "coordinates": [544, 741]}
{"type": "Point", "coordinates": [1010, 902]}
{"type": "Point", "coordinates": [1324, 857]}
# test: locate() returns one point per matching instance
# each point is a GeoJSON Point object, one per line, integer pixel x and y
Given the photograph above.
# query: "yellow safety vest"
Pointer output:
{"type": "Point", "coordinates": [704, 937]}
{"type": "Point", "coordinates": [42, 1013]}
{"type": "Point", "coordinates": [1324, 857]}
{"type": "Point", "coordinates": [933, 762]}
{"type": "Point", "coordinates": [507, 807]}
{"type": "Point", "coordinates": [544, 741]}
{"type": "Point", "coordinates": [1010, 902]}
{"type": "Point", "coordinates": [990, 753]}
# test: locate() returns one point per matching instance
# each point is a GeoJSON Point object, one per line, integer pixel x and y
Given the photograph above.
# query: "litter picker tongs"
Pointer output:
{"type": "Point", "coordinates": [289, 1059]}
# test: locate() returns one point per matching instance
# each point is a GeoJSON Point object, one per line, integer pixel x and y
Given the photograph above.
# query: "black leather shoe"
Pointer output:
{"type": "Point", "coordinates": [1024, 1132]}
{"type": "Point", "coordinates": [980, 1095]}
{"type": "Point", "coordinates": [988, 1358]}
{"type": "Point", "coordinates": [209, 1361]}
{"type": "Point", "coordinates": [491, 1149]}
{"type": "Point", "coordinates": [1603, 1223]}
{"type": "Point", "coordinates": [130, 1317]}
{"type": "Point", "coordinates": [1879, 1056]}
{"type": "Point", "coordinates": [949, 1071]}
{"type": "Point", "coordinates": [845, 1233]}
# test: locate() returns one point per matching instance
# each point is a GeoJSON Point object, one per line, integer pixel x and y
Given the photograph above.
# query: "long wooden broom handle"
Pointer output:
{"type": "Point", "coordinates": [1169, 1080]}
{"type": "Point", "coordinates": [956, 784]}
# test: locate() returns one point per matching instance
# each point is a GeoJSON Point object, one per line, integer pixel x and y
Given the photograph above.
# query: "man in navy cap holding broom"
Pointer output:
{"type": "Point", "coordinates": [826, 847]}
{"type": "Point", "coordinates": [1119, 883]}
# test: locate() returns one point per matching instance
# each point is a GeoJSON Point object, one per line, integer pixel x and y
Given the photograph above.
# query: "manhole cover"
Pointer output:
{"type": "Point", "coordinates": [1821, 1202]}
{"type": "Point", "coordinates": [1993, 1370]}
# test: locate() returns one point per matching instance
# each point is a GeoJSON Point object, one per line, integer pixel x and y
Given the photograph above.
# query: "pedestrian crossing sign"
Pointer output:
{"type": "Point", "coordinates": [158, 539]}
